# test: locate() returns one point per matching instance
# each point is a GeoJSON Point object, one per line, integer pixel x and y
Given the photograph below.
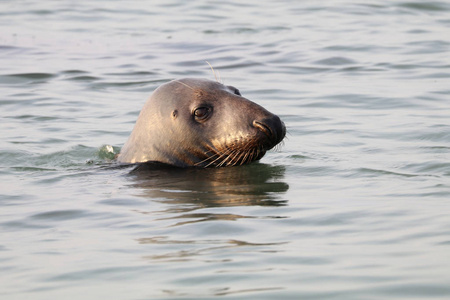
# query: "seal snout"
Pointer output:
{"type": "Point", "coordinates": [272, 128]}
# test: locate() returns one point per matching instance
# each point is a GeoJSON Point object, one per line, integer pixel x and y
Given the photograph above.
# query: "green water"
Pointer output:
{"type": "Point", "coordinates": [353, 205]}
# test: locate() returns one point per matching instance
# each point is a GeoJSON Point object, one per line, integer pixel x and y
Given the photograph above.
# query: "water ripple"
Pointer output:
{"type": "Point", "coordinates": [353, 204]}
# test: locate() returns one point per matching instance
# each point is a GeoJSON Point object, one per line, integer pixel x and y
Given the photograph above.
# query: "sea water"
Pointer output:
{"type": "Point", "coordinates": [354, 205]}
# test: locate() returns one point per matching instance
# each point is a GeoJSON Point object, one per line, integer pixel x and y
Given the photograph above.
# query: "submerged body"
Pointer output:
{"type": "Point", "coordinates": [197, 122]}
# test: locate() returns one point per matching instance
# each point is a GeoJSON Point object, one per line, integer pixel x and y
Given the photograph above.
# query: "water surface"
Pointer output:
{"type": "Point", "coordinates": [354, 205]}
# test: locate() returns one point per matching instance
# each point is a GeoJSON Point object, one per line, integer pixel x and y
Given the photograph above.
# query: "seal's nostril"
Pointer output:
{"type": "Point", "coordinates": [266, 129]}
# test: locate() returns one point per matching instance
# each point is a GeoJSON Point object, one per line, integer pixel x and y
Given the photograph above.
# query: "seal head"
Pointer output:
{"type": "Point", "coordinates": [201, 123]}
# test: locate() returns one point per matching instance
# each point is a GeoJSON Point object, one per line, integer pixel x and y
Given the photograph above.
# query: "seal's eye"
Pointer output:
{"type": "Point", "coordinates": [202, 113]}
{"type": "Point", "coordinates": [236, 92]}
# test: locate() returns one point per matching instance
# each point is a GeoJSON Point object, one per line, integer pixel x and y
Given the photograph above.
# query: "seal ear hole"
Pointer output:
{"type": "Point", "coordinates": [175, 114]}
{"type": "Point", "coordinates": [202, 113]}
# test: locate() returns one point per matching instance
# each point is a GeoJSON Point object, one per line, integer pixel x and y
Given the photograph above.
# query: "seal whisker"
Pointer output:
{"type": "Point", "coordinates": [238, 155]}
{"type": "Point", "coordinates": [215, 160]}
{"type": "Point", "coordinates": [189, 87]}
{"type": "Point", "coordinates": [220, 156]}
{"type": "Point", "coordinates": [251, 156]}
{"type": "Point", "coordinates": [278, 147]}
{"type": "Point", "coordinates": [212, 69]}
{"type": "Point", "coordinates": [255, 153]}
{"type": "Point", "coordinates": [244, 157]}
{"type": "Point", "coordinates": [239, 160]}
{"type": "Point", "coordinates": [212, 162]}
{"type": "Point", "coordinates": [206, 159]}
{"type": "Point", "coordinates": [220, 79]}
{"type": "Point", "coordinates": [228, 155]}
{"type": "Point", "coordinates": [209, 164]}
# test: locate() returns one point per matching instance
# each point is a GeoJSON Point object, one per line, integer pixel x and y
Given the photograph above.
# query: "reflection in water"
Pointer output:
{"type": "Point", "coordinates": [194, 196]}
{"type": "Point", "coordinates": [256, 184]}
{"type": "Point", "coordinates": [206, 247]}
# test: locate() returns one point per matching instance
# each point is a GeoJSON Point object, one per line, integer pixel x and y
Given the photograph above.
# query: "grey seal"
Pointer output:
{"type": "Point", "coordinates": [201, 123]}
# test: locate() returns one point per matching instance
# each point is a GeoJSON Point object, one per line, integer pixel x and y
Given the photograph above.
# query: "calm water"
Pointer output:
{"type": "Point", "coordinates": [354, 205]}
